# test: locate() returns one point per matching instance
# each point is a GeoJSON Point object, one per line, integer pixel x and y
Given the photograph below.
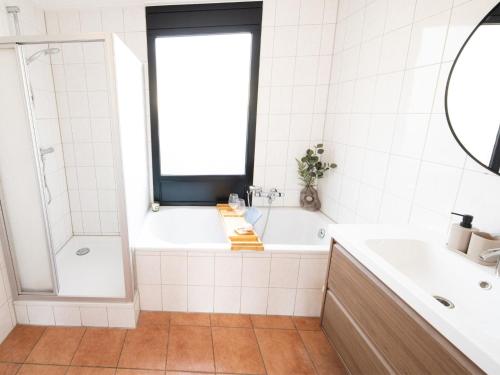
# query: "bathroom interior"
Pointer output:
{"type": "Point", "coordinates": [249, 187]}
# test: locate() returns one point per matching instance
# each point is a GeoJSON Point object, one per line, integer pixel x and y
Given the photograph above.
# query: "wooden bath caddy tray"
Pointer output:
{"type": "Point", "coordinates": [233, 220]}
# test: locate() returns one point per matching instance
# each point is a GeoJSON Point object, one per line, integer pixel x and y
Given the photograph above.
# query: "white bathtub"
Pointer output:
{"type": "Point", "coordinates": [199, 228]}
{"type": "Point", "coordinates": [184, 263]}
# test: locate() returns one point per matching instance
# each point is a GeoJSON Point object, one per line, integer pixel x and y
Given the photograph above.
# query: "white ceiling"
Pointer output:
{"type": "Point", "coordinates": [70, 4]}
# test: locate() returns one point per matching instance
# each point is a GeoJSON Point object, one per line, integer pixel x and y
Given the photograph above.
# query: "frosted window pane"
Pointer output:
{"type": "Point", "coordinates": [203, 85]}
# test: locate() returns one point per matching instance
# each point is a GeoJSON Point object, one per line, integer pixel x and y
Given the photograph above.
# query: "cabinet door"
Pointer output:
{"type": "Point", "coordinates": [350, 342]}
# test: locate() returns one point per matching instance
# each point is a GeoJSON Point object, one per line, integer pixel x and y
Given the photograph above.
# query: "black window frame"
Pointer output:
{"type": "Point", "coordinates": [202, 19]}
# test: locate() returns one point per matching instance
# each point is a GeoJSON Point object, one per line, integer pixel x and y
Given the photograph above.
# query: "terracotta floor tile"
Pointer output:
{"type": "Point", "coordinates": [100, 347]}
{"type": "Point", "coordinates": [56, 346]}
{"type": "Point", "coordinates": [190, 373]}
{"type": "Point", "coordinates": [154, 319]}
{"type": "Point", "coordinates": [29, 369]}
{"type": "Point", "coordinates": [324, 357]}
{"type": "Point", "coordinates": [190, 349]}
{"type": "Point", "coordinates": [90, 371]}
{"type": "Point", "coordinates": [283, 352]}
{"type": "Point", "coordinates": [236, 351]}
{"type": "Point", "coordinates": [9, 368]}
{"type": "Point", "coordinates": [145, 348]}
{"type": "Point", "coordinates": [307, 324]}
{"type": "Point", "coordinates": [230, 320]}
{"type": "Point", "coordinates": [19, 343]}
{"type": "Point", "coordinates": [122, 371]}
{"type": "Point", "coordinates": [271, 321]}
{"type": "Point", "coordinates": [190, 319]}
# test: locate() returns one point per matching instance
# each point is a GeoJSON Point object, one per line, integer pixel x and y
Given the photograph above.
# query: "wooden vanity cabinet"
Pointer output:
{"type": "Point", "coordinates": [376, 332]}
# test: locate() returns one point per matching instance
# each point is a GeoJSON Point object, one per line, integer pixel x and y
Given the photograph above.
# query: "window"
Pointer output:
{"type": "Point", "coordinates": [203, 73]}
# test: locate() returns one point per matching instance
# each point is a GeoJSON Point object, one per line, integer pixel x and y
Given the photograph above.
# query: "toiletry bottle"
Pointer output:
{"type": "Point", "coordinates": [460, 234]}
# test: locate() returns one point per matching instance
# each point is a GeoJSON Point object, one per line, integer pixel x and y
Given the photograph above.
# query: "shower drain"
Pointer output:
{"type": "Point", "coordinates": [83, 251]}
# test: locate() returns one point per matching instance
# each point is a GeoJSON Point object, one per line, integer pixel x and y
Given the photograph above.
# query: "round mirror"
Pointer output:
{"type": "Point", "coordinates": [473, 93]}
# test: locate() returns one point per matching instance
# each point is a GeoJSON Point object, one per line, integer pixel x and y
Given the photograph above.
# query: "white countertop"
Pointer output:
{"type": "Point", "coordinates": [424, 267]}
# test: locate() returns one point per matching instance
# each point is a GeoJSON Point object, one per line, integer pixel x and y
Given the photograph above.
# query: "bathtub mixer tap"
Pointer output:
{"type": "Point", "coordinates": [271, 195]}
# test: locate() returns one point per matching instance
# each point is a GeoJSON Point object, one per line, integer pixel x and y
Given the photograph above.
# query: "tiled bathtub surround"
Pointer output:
{"type": "Point", "coordinates": [386, 125]}
{"type": "Point", "coordinates": [254, 283]}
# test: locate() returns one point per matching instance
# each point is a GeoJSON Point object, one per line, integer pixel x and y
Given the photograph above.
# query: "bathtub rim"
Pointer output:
{"type": "Point", "coordinates": [147, 242]}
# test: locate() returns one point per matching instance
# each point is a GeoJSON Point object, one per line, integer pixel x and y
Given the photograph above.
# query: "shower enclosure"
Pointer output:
{"type": "Point", "coordinates": [71, 198]}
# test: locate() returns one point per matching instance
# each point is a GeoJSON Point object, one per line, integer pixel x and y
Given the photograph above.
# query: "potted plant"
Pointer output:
{"type": "Point", "coordinates": [310, 169]}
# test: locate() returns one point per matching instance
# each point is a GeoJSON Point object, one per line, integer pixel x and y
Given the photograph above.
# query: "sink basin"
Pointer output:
{"type": "Point", "coordinates": [471, 288]}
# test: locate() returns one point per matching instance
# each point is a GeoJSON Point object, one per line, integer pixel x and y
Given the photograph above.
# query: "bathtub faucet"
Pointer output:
{"type": "Point", "coordinates": [271, 195]}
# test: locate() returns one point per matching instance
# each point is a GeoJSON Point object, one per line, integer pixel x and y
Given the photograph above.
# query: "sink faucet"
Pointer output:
{"type": "Point", "coordinates": [492, 253]}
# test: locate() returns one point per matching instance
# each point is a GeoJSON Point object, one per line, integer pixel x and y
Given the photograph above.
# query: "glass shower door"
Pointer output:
{"type": "Point", "coordinates": [21, 201]}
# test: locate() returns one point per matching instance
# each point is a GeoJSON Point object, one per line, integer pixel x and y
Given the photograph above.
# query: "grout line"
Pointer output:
{"type": "Point", "coordinates": [429, 120]}
{"type": "Point", "coordinates": [405, 72]}
{"type": "Point", "coordinates": [307, 352]}
{"type": "Point", "coordinates": [78, 346]}
{"type": "Point", "coordinates": [37, 341]}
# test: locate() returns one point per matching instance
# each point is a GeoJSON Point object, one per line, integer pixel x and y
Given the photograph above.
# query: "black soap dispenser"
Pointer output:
{"type": "Point", "coordinates": [460, 234]}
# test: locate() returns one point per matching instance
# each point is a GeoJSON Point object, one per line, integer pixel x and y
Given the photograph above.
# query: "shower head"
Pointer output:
{"type": "Point", "coordinates": [42, 52]}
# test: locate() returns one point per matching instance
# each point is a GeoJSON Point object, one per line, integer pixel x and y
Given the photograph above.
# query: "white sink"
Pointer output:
{"type": "Point", "coordinates": [472, 289]}
{"type": "Point", "coordinates": [417, 266]}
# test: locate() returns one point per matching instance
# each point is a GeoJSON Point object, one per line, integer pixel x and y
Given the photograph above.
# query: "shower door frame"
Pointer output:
{"type": "Point", "coordinates": [107, 39]}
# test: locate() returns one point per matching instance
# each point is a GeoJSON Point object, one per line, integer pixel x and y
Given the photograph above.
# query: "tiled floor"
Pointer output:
{"type": "Point", "coordinates": [174, 344]}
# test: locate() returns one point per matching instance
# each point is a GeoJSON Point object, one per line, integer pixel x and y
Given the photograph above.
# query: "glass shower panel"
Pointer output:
{"type": "Point", "coordinates": [22, 205]}
{"type": "Point", "coordinates": [73, 126]}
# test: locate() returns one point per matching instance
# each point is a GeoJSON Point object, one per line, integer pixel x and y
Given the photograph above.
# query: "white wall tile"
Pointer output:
{"type": "Point", "coordinates": [227, 299]}
{"type": "Point", "coordinates": [427, 40]}
{"type": "Point", "coordinates": [437, 187]}
{"type": "Point", "coordinates": [281, 301]}
{"type": "Point", "coordinates": [312, 273]}
{"type": "Point", "coordinates": [21, 314]}
{"type": "Point", "coordinates": [174, 269]}
{"type": "Point", "coordinates": [150, 297]}
{"type": "Point", "coordinates": [284, 272]}
{"type": "Point", "coordinates": [90, 20]}
{"type": "Point", "coordinates": [6, 322]}
{"type": "Point", "coordinates": [287, 12]}
{"type": "Point", "coordinates": [200, 298]}
{"type": "Point", "coordinates": [200, 270]}
{"type": "Point", "coordinates": [40, 315]}
{"type": "Point", "coordinates": [228, 271]}
{"type": "Point", "coordinates": [121, 317]}
{"type": "Point", "coordinates": [254, 300]}
{"type": "Point", "coordinates": [134, 18]}
{"type": "Point", "coordinates": [112, 20]}
{"type": "Point", "coordinates": [148, 269]}
{"type": "Point", "coordinates": [94, 316]}
{"type": "Point", "coordinates": [308, 302]}
{"type": "Point", "coordinates": [255, 272]}
{"type": "Point", "coordinates": [174, 297]}
{"type": "Point", "coordinates": [67, 316]}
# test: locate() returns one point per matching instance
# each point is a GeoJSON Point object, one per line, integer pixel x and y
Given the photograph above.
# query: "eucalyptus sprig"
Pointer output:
{"type": "Point", "coordinates": [311, 167]}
